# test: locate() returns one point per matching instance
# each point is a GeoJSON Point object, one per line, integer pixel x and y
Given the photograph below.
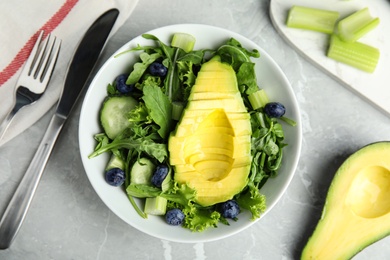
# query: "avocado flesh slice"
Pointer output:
{"type": "Point", "coordinates": [357, 208]}
{"type": "Point", "coordinates": [210, 147]}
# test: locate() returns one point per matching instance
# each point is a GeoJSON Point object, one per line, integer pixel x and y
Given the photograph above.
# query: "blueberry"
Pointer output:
{"type": "Point", "coordinates": [230, 209]}
{"type": "Point", "coordinates": [115, 177]}
{"type": "Point", "coordinates": [157, 69]}
{"type": "Point", "coordinates": [174, 217]}
{"type": "Point", "coordinates": [274, 109]}
{"type": "Point", "coordinates": [159, 175]}
{"type": "Point", "coordinates": [121, 85]}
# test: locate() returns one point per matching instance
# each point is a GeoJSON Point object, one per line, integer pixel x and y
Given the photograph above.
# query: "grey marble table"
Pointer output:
{"type": "Point", "coordinates": [67, 220]}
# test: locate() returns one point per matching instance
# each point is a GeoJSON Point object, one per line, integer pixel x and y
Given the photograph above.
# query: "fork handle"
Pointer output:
{"type": "Point", "coordinates": [17, 209]}
{"type": "Point", "coordinates": [23, 98]}
{"type": "Point", "coordinates": [7, 121]}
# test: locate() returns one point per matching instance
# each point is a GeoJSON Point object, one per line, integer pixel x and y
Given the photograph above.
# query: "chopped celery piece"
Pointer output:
{"type": "Point", "coordinates": [158, 205]}
{"type": "Point", "coordinates": [177, 109]}
{"type": "Point", "coordinates": [184, 41]}
{"type": "Point", "coordinates": [288, 121]}
{"type": "Point", "coordinates": [356, 54]}
{"type": "Point", "coordinates": [258, 99]}
{"type": "Point", "coordinates": [312, 19]}
{"type": "Point", "coordinates": [356, 25]}
{"type": "Point", "coordinates": [155, 206]}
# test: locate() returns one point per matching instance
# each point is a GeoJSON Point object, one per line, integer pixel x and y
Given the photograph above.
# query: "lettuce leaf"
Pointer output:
{"type": "Point", "coordinates": [252, 200]}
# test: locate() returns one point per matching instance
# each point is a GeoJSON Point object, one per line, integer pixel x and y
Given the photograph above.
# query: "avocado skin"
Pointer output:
{"type": "Point", "coordinates": [356, 213]}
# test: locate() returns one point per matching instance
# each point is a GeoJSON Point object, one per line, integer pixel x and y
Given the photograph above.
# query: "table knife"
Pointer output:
{"type": "Point", "coordinates": [79, 70]}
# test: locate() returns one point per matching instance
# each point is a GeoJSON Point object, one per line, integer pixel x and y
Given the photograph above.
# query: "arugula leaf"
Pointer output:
{"type": "Point", "coordinates": [233, 42]}
{"type": "Point", "coordinates": [232, 56]}
{"type": "Point", "coordinates": [266, 147]}
{"type": "Point", "coordinates": [102, 140]}
{"type": "Point", "coordinates": [167, 50]}
{"type": "Point", "coordinates": [142, 144]}
{"type": "Point", "coordinates": [140, 67]}
{"type": "Point", "coordinates": [111, 90]}
{"type": "Point", "coordinates": [142, 191]}
{"type": "Point", "coordinates": [160, 109]}
{"type": "Point", "coordinates": [246, 76]}
{"type": "Point", "coordinates": [196, 57]}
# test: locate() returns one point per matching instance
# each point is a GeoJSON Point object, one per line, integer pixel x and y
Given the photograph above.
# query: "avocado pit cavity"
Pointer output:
{"type": "Point", "coordinates": [369, 194]}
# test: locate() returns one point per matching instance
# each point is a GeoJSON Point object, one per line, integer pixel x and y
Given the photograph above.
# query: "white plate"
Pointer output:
{"type": "Point", "coordinates": [270, 77]}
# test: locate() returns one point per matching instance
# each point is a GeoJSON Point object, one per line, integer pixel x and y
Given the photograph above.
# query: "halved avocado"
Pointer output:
{"type": "Point", "coordinates": [357, 208]}
{"type": "Point", "coordinates": [210, 148]}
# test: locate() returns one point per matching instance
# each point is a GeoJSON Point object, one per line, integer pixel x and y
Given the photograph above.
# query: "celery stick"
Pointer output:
{"type": "Point", "coordinates": [258, 99]}
{"type": "Point", "coordinates": [356, 25]}
{"type": "Point", "coordinates": [156, 205]}
{"type": "Point", "coordinates": [184, 41]}
{"type": "Point", "coordinates": [312, 19]}
{"type": "Point", "coordinates": [356, 54]}
{"type": "Point", "coordinates": [177, 109]}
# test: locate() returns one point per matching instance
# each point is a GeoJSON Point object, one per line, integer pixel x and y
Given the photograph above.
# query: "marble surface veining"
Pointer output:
{"type": "Point", "coordinates": [67, 220]}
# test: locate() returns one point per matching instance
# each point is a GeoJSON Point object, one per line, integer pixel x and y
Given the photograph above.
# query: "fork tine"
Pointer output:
{"type": "Point", "coordinates": [37, 64]}
{"type": "Point", "coordinates": [33, 56]}
{"type": "Point", "coordinates": [49, 64]}
{"type": "Point", "coordinates": [41, 70]}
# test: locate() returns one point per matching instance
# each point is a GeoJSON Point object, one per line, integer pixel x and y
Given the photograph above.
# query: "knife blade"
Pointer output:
{"type": "Point", "coordinates": [81, 66]}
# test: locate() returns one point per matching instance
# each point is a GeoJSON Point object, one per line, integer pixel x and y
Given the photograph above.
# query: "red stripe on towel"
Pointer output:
{"type": "Point", "coordinates": [23, 54]}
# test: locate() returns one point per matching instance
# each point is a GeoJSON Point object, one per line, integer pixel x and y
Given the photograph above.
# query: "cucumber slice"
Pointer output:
{"type": "Point", "coordinates": [166, 184]}
{"type": "Point", "coordinates": [142, 171]}
{"type": "Point", "coordinates": [113, 115]}
{"type": "Point", "coordinates": [115, 162]}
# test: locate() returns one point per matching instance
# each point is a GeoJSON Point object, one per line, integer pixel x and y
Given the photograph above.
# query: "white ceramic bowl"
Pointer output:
{"type": "Point", "coordinates": [270, 77]}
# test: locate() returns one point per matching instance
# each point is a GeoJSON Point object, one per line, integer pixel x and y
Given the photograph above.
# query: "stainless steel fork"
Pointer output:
{"type": "Point", "coordinates": [35, 76]}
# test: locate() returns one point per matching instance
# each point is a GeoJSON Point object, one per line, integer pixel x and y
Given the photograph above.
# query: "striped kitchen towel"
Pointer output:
{"type": "Point", "coordinates": [20, 23]}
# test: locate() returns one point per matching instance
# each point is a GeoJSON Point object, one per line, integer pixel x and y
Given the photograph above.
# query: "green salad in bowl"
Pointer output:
{"type": "Point", "coordinates": [191, 126]}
